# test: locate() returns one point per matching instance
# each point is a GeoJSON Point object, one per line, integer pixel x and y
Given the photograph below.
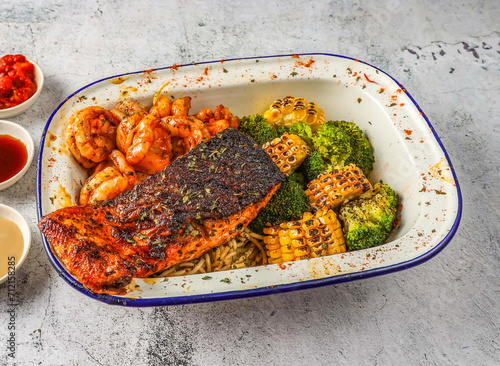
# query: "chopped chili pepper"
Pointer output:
{"type": "Point", "coordinates": [17, 80]}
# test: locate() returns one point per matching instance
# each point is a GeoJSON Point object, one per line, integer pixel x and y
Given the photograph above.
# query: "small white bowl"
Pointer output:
{"type": "Point", "coordinates": [18, 132]}
{"type": "Point", "coordinates": [18, 219]}
{"type": "Point", "coordinates": [23, 107]}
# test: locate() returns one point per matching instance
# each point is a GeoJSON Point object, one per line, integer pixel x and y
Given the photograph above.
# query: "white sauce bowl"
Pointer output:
{"type": "Point", "coordinates": [13, 215]}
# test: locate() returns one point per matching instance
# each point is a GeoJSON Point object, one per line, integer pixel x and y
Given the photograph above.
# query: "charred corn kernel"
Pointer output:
{"type": "Point", "coordinates": [314, 235]}
{"type": "Point", "coordinates": [330, 189]}
{"type": "Point", "coordinates": [287, 151]}
{"type": "Point", "coordinates": [289, 111]}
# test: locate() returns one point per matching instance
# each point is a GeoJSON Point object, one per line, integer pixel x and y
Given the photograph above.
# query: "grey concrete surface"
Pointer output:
{"type": "Point", "coordinates": [443, 312]}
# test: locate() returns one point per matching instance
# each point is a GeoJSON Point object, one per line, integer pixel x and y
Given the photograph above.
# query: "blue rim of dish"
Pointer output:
{"type": "Point", "coordinates": [238, 294]}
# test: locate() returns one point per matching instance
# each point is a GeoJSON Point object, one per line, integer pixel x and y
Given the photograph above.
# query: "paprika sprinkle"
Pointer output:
{"type": "Point", "coordinates": [17, 80]}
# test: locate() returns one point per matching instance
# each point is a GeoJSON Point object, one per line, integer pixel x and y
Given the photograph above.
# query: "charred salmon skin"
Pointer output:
{"type": "Point", "coordinates": [198, 202]}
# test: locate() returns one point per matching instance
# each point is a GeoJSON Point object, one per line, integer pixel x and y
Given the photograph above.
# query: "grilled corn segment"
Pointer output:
{"type": "Point", "coordinates": [330, 189]}
{"type": "Point", "coordinates": [287, 151]}
{"type": "Point", "coordinates": [289, 111]}
{"type": "Point", "coordinates": [314, 235]}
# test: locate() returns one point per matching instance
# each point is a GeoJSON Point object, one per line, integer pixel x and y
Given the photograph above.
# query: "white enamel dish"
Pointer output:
{"type": "Point", "coordinates": [409, 157]}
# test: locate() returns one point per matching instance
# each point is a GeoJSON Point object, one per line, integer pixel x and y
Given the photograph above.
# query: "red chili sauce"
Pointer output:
{"type": "Point", "coordinates": [17, 80]}
{"type": "Point", "coordinates": [13, 157]}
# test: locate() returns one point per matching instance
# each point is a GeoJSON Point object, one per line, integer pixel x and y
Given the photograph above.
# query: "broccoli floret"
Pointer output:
{"type": "Point", "coordinates": [333, 144]}
{"type": "Point", "coordinates": [258, 129]}
{"type": "Point", "coordinates": [313, 166]}
{"type": "Point", "coordinates": [362, 151]}
{"type": "Point", "coordinates": [287, 204]}
{"type": "Point", "coordinates": [368, 220]}
{"type": "Point", "coordinates": [302, 130]}
{"type": "Point", "coordinates": [297, 177]}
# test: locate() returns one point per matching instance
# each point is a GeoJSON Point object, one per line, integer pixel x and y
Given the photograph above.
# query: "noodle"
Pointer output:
{"type": "Point", "coordinates": [243, 251]}
{"type": "Point", "coordinates": [158, 92]}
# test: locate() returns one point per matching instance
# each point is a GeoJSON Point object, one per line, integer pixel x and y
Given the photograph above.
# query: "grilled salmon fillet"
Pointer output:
{"type": "Point", "coordinates": [198, 202]}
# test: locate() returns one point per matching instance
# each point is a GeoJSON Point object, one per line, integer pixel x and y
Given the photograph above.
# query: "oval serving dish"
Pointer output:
{"type": "Point", "coordinates": [408, 156]}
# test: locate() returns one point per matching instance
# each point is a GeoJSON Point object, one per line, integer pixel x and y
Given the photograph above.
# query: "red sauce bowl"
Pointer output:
{"type": "Point", "coordinates": [20, 108]}
{"type": "Point", "coordinates": [17, 132]}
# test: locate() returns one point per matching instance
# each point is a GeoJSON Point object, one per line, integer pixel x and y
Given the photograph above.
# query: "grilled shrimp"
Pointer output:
{"type": "Point", "coordinates": [106, 184]}
{"type": "Point", "coordinates": [130, 114]}
{"type": "Point", "coordinates": [103, 165]}
{"type": "Point", "coordinates": [142, 138]}
{"type": "Point", "coordinates": [162, 107]}
{"type": "Point", "coordinates": [205, 115]}
{"type": "Point", "coordinates": [222, 112]}
{"type": "Point", "coordinates": [181, 106]}
{"type": "Point", "coordinates": [219, 120]}
{"type": "Point", "coordinates": [190, 129]}
{"type": "Point", "coordinates": [159, 154]}
{"type": "Point", "coordinates": [152, 163]}
{"type": "Point", "coordinates": [91, 135]}
{"type": "Point", "coordinates": [124, 167]}
{"type": "Point", "coordinates": [71, 142]}
{"type": "Point", "coordinates": [111, 177]}
{"type": "Point", "coordinates": [217, 126]}
{"type": "Point", "coordinates": [150, 148]}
